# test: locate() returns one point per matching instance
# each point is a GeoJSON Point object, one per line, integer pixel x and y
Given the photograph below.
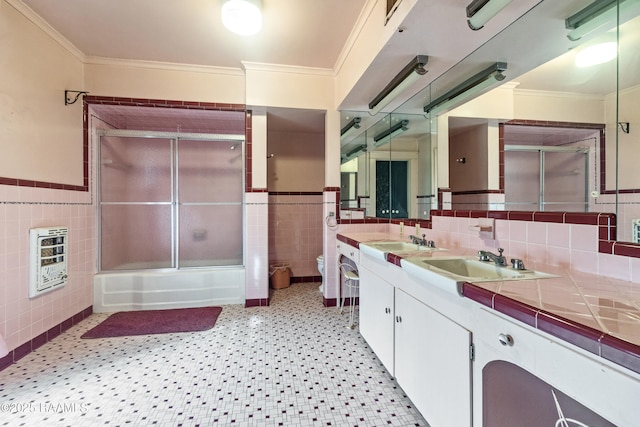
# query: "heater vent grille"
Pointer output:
{"type": "Point", "coordinates": [48, 259]}
{"type": "Point", "coordinates": [635, 230]}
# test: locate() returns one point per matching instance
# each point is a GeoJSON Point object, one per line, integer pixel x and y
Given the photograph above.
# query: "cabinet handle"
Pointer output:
{"type": "Point", "coordinates": [505, 339]}
{"type": "Point", "coordinates": [398, 319]}
{"type": "Point", "coordinates": [387, 310]}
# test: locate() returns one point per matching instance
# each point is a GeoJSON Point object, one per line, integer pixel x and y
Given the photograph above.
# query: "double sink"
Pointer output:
{"type": "Point", "coordinates": [448, 272]}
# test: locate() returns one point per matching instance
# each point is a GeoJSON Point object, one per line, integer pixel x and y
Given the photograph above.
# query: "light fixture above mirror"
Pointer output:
{"type": "Point", "coordinates": [405, 78]}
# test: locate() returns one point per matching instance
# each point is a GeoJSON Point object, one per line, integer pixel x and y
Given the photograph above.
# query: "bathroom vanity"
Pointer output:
{"type": "Point", "coordinates": [474, 354]}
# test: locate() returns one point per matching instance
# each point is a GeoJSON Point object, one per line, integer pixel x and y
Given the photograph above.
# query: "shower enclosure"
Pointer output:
{"type": "Point", "coordinates": [546, 178]}
{"type": "Point", "coordinates": [170, 200]}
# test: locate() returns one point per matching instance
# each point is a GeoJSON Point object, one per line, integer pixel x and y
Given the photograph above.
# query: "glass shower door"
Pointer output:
{"type": "Point", "coordinates": [210, 188]}
{"type": "Point", "coordinates": [136, 184]}
{"type": "Point", "coordinates": [546, 178]}
{"type": "Point", "coordinates": [174, 201]}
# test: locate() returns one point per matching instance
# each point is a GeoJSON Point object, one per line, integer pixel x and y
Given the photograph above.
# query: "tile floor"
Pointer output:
{"type": "Point", "coordinates": [293, 363]}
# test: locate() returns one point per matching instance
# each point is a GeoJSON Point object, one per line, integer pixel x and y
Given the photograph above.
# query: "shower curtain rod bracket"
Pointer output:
{"type": "Point", "coordinates": [69, 96]}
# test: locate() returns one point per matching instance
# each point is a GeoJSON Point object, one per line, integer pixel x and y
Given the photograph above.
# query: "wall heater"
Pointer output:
{"type": "Point", "coordinates": [49, 253]}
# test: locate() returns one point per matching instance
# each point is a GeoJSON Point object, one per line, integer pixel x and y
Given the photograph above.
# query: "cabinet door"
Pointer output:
{"type": "Point", "coordinates": [376, 316]}
{"type": "Point", "coordinates": [432, 362]}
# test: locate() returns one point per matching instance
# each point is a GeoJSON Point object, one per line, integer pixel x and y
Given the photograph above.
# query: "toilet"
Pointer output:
{"type": "Point", "coordinates": [320, 261]}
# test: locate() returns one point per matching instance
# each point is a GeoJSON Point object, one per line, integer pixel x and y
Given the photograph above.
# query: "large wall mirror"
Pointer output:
{"type": "Point", "coordinates": [519, 125]}
{"type": "Point", "coordinates": [386, 166]}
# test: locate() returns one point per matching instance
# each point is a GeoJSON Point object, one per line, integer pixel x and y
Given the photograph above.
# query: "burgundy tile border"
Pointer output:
{"type": "Point", "coordinates": [348, 241]}
{"type": "Point", "coordinates": [620, 352]}
{"type": "Point", "coordinates": [394, 259]}
{"type": "Point", "coordinates": [478, 294]}
{"type": "Point", "coordinates": [459, 193]}
{"type": "Point", "coordinates": [579, 335]}
{"type": "Point", "coordinates": [257, 302]}
{"type": "Point", "coordinates": [330, 302]}
{"type": "Point", "coordinates": [516, 309]}
{"type": "Point", "coordinates": [295, 193]}
{"type": "Point", "coordinates": [557, 217]}
{"type": "Point", "coordinates": [34, 343]}
{"type": "Point", "coordinates": [306, 279]}
{"type": "Point", "coordinates": [626, 249]}
{"type": "Point", "coordinates": [608, 347]}
{"type": "Point", "coordinates": [327, 189]}
{"type": "Point", "coordinates": [256, 190]}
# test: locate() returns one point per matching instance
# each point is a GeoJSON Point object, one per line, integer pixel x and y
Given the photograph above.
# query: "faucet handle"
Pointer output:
{"type": "Point", "coordinates": [500, 250]}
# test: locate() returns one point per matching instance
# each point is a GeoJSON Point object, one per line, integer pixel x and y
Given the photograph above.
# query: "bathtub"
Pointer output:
{"type": "Point", "coordinates": [163, 289]}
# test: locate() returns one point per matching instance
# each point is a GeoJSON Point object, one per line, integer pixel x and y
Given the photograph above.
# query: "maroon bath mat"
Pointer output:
{"type": "Point", "coordinates": [149, 322]}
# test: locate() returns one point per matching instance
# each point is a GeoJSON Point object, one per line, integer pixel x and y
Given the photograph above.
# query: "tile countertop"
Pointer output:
{"type": "Point", "coordinates": [596, 313]}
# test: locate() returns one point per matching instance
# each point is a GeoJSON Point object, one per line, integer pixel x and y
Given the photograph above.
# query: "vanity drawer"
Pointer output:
{"type": "Point", "coordinates": [511, 340]}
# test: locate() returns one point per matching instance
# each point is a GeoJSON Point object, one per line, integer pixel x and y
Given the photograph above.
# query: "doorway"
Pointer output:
{"type": "Point", "coordinates": [392, 189]}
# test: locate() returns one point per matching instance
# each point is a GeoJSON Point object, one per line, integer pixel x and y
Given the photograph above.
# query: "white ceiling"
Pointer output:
{"type": "Point", "coordinates": [306, 33]}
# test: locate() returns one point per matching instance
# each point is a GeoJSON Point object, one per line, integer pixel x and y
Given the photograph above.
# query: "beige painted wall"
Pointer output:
{"type": "Point", "coordinates": [157, 81]}
{"type": "Point", "coordinates": [472, 146]}
{"type": "Point", "coordinates": [298, 161]}
{"type": "Point", "coordinates": [41, 137]}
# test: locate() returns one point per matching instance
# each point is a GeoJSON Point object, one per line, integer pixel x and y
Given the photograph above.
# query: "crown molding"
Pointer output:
{"type": "Point", "coordinates": [158, 65]}
{"type": "Point", "coordinates": [28, 13]}
{"type": "Point", "coordinates": [553, 94]}
{"type": "Point", "coordinates": [366, 12]}
{"type": "Point", "coordinates": [292, 69]}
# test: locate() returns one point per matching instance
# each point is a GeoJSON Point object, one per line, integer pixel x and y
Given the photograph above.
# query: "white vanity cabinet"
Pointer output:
{"type": "Point", "coordinates": [523, 376]}
{"type": "Point", "coordinates": [432, 362]}
{"type": "Point", "coordinates": [424, 350]}
{"type": "Point", "coordinates": [377, 316]}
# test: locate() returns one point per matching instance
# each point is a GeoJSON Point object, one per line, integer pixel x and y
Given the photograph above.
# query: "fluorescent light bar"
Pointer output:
{"type": "Point", "coordinates": [600, 14]}
{"type": "Point", "coordinates": [353, 124]}
{"type": "Point", "coordinates": [468, 89]}
{"type": "Point", "coordinates": [409, 74]}
{"type": "Point", "coordinates": [395, 130]}
{"type": "Point", "coordinates": [479, 12]}
{"type": "Point", "coordinates": [353, 153]}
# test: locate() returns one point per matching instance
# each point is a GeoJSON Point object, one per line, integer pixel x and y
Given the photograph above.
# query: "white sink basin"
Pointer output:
{"type": "Point", "coordinates": [451, 272]}
{"type": "Point", "coordinates": [381, 249]}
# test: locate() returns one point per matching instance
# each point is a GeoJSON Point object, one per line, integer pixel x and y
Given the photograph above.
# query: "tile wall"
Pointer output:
{"type": "Point", "coordinates": [24, 322]}
{"type": "Point", "coordinates": [295, 232]}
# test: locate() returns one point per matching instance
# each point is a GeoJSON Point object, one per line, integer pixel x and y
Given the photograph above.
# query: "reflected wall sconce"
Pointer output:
{"type": "Point", "coordinates": [624, 126]}
{"type": "Point", "coordinates": [405, 78]}
{"type": "Point", "coordinates": [479, 12]}
{"type": "Point", "coordinates": [386, 136]}
{"type": "Point", "coordinates": [243, 17]}
{"type": "Point", "coordinates": [354, 153]}
{"type": "Point", "coordinates": [351, 126]}
{"type": "Point", "coordinates": [598, 15]}
{"type": "Point", "coordinates": [468, 89]}
{"type": "Point", "coordinates": [71, 96]}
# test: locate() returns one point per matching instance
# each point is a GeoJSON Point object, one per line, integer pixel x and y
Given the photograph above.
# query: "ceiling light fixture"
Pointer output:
{"type": "Point", "coordinates": [601, 14]}
{"type": "Point", "coordinates": [386, 136]}
{"type": "Point", "coordinates": [243, 17]}
{"type": "Point", "coordinates": [405, 78]}
{"type": "Point", "coordinates": [479, 12]}
{"type": "Point", "coordinates": [596, 54]}
{"type": "Point", "coordinates": [468, 89]}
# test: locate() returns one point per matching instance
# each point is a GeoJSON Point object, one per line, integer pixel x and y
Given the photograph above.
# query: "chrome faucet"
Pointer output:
{"type": "Point", "coordinates": [422, 241]}
{"type": "Point", "coordinates": [488, 256]}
